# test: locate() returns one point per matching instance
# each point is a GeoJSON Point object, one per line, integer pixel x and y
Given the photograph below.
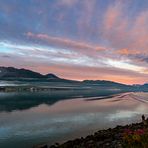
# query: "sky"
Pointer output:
{"type": "Point", "coordinates": [77, 39]}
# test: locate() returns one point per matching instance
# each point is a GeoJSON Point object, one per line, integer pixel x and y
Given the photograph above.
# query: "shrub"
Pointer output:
{"type": "Point", "coordinates": [135, 138]}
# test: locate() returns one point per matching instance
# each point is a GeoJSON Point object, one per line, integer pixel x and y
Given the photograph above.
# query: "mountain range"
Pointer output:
{"type": "Point", "coordinates": [11, 73]}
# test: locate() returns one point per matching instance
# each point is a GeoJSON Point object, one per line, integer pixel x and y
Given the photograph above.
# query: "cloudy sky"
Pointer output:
{"type": "Point", "coordinates": [77, 39]}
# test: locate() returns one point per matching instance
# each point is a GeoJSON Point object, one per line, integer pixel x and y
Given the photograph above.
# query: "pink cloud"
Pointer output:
{"type": "Point", "coordinates": [85, 18]}
{"type": "Point", "coordinates": [125, 37]}
{"type": "Point", "coordinates": [111, 17]}
{"type": "Point", "coordinates": [129, 36]}
{"type": "Point", "coordinates": [65, 42]}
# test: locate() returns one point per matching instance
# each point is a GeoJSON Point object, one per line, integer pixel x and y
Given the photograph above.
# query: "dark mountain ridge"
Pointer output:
{"type": "Point", "coordinates": [103, 82]}
{"type": "Point", "coordinates": [11, 73]}
{"type": "Point", "coordinates": [14, 74]}
{"type": "Point", "coordinates": [51, 76]}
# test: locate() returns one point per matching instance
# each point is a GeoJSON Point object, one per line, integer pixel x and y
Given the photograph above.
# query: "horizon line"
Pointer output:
{"type": "Point", "coordinates": [68, 78]}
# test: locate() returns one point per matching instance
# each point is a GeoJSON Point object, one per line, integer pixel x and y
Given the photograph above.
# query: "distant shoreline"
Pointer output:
{"type": "Point", "coordinates": [32, 88]}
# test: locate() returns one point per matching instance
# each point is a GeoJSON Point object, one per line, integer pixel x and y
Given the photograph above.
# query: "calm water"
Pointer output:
{"type": "Point", "coordinates": [27, 119]}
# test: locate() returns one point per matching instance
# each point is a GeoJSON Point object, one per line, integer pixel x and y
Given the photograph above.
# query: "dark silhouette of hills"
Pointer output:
{"type": "Point", "coordinates": [13, 74]}
{"type": "Point", "coordinates": [72, 89]}
{"type": "Point", "coordinates": [26, 100]}
{"type": "Point", "coordinates": [103, 82]}
{"type": "Point", "coordinates": [51, 76]}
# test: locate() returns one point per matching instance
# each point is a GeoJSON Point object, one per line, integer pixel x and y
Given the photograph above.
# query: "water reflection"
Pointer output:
{"type": "Point", "coordinates": [26, 100]}
{"type": "Point", "coordinates": [68, 119]}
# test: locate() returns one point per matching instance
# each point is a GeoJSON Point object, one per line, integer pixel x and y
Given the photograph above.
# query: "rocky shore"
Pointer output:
{"type": "Point", "coordinates": [110, 138]}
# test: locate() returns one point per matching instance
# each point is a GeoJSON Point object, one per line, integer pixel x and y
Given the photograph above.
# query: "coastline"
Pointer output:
{"type": "Point", "coordinates": [85, 116]}
{"type": "Point", "coordinates": [109, 138]}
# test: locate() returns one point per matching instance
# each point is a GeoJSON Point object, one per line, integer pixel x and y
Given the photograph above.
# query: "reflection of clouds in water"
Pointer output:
{"type": "Point", "coordinates": [121, 115]}
{"type": "Point", "coordinates": [73, 117]}
{"type": "Point", "coordinates": [4, 132]}
{"type": "Point", "coordinates": [52, 126]}
{"type": "Point", "coordinates": [142, 109]}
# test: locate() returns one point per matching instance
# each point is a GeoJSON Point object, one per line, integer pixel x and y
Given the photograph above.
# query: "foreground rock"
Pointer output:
{"type": "Point", "coordinates": [110, 138]}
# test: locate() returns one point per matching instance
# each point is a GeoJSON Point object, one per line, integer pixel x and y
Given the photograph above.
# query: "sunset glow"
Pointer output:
{"type": "Point", "coordinates": [87, 39]}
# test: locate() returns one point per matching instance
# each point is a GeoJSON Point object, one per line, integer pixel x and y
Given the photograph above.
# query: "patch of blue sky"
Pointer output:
{"type": "Point", "coordinates": [5, 49]}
